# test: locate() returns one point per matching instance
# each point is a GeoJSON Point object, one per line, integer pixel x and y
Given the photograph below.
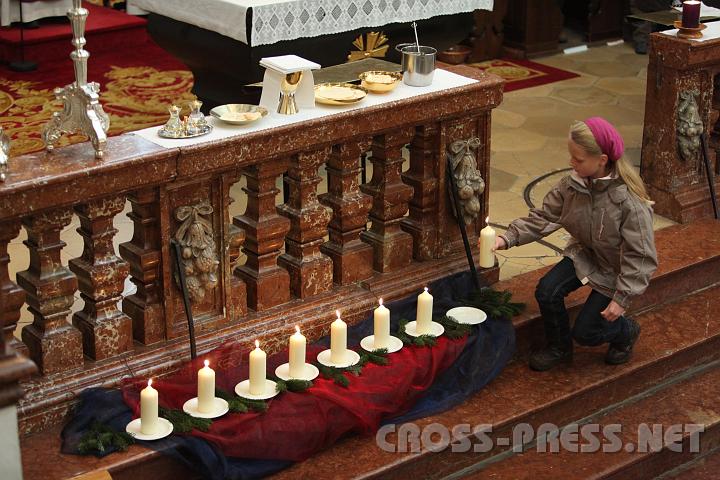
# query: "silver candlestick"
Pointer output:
{"type": "Point", "coordinates": [81, 103]}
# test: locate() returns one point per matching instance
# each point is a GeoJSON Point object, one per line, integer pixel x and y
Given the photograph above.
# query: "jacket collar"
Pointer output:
{"type": "Point", "coordinates": [597, 184]}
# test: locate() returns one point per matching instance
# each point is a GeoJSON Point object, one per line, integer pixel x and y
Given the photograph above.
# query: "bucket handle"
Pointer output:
{"type": "Point", "coordinates": [399, 47]}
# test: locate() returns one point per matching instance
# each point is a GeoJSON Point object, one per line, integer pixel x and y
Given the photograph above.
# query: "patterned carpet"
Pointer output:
{"type": "Point", "coordinates": [523, 73]}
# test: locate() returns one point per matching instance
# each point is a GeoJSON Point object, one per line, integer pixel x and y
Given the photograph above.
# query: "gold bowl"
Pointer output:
{"type": "Point", "coordinates": [339, 93]}
{"type": "Point", "coordinates": [238, 113]}
{"type": "Point", "coordinates": [380, 82]}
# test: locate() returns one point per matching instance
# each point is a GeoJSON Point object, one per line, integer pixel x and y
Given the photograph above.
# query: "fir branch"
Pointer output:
{"type": "Point", "coordinates": [238, 404]}
{"type": "Point", "coordinates": [184, 423]}
{"type": "Point", "coordinates": [101, 437]}
{"type": "Point", "coordinates": [453, 329]}
{"type": "Point", "coordinates": [495, 303]}
{"type": "Point", "coordinates": [292, 385]}
{"type": "Point", "coordinates": [337, 375]}
{"type": "Point", "coordinates": [421, 341]}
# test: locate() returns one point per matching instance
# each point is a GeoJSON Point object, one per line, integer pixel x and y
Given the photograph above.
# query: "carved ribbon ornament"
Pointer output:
{"type": "Point", "coordinates": [197, 243]}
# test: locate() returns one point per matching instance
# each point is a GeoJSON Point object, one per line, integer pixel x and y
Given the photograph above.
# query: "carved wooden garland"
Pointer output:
{"type": "Point", "coordinates": [197, 243]}
{"type": "Point", "coordinates": [689, 127]}
{"type": "Point", "coordinates": [469, 181]}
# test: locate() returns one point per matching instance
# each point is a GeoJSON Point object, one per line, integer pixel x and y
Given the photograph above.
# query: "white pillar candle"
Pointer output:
{"type": "Point", "coordinates": [297, 354]}
{"type": "Point", "coordinates": [148, 410]}
{"type": "Point", "coordinates": [206, 389]}
{"type": "Point", "coordinates": [487, 243]}
{"type": "Point", "coordinates": [257, 370]}
{"type": "Point", "coordinates": [381, 321]}
{"type": "Point", "coordinates": [338, 340]}
{"type": "Point", "coordinates": [424, 313]}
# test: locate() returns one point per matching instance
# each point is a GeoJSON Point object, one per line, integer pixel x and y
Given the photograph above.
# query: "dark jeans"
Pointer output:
{"type": "Point", "coordinates": [590, 327]}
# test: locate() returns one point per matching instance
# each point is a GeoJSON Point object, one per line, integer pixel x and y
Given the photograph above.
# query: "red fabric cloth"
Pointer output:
{"type": "Point", "coordinates": [296, 425]}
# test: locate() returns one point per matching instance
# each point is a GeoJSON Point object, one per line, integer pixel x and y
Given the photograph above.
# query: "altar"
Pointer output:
{"type": "Point", "coordinates": [223, 41]}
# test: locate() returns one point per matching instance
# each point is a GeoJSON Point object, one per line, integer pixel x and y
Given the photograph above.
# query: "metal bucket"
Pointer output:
{"type": "Point", "coordinates": [417, 66]}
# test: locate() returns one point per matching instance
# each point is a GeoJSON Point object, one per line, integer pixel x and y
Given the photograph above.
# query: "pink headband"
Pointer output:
{"type": "Point", "coordinates": [607, 138]}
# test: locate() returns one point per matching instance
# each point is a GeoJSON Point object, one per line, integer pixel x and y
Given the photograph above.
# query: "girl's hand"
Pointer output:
{"type": "Point", "coordinates": [613, 311]}
{"type": "Point", "coordinates": [500, 244]}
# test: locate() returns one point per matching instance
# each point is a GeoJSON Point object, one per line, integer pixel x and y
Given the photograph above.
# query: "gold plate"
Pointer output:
{"type": "Point", "coordinates": [379, 81]}
{"type": "Point", "coordinates": [339, 93]}
{"type": "Point", "coordinates": [237, 113]}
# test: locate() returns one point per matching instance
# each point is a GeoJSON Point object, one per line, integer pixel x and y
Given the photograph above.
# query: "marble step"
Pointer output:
{"type": "Point", "coordinates": [636, 453]}
{"type": "Point", "coordinates": [680, 335]}
{"type": "Point", "coordinates": [705, 467]}
{"type": "Point", "coordinates": [689, 259]}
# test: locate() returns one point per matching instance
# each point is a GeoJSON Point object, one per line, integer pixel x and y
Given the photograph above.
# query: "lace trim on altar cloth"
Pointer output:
{"type": "Point", "coordinates": [277, 20]}
{"type": "Point", "coordinates": [311, 18]}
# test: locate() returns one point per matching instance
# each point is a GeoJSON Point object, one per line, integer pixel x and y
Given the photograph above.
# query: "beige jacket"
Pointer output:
{"type": "Point", "coordinates": [612, 243]}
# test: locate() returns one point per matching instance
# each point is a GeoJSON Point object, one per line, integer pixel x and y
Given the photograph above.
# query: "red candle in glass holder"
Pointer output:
{"type": "Point", "coordinates": [691, 14]}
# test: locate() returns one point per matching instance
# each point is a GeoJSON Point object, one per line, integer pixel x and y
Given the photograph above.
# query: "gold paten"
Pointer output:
{"type": "Point", "coordinates": [339, 93]}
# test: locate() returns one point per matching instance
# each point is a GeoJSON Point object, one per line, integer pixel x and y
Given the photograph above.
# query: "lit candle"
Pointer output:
{"type": "Point", "coordinates": [297, 354]}
{"type": "Point", "coordinates": [424, 313]}
{"type": "Point", "coordinates": [148, 410]}
{"type": "Point", "coordinates": [381, 319]}
{"type": "Point", "coordinates": [257, 370]}
{"type": "Point", "coordinates": [691, 14]}
{"type": "Point", "coordinates": [338, 340]}
{"type": "Point", "coordinates": [206, 388]}
{"type": "Point", "coordinates": [487, 243]}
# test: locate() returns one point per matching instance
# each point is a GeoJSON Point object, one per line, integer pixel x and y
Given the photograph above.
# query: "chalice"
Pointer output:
{"type": "Point", "coordinates": [288, 86]}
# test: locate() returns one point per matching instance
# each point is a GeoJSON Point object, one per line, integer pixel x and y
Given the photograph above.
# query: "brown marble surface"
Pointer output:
{"type": "Point", "coordinates": [693, 401]}
{"type": "Point", "coordinates": [703, 469]}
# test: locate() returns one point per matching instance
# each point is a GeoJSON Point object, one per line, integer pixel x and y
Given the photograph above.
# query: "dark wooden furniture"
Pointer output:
{"type": "Point", "coordinates": [597, 19]}
{"type": "Point", "coordinates": [532, 27]}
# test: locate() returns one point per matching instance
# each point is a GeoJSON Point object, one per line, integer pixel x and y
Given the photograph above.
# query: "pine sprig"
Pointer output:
{"type": "Point", "coordinates": [184, 423]}
{"type": "Point", "coordinates": [100, 437]}
{"type": "Point", "coordinates": [337, 375]}
{"type": "Point", "coordinates": [452, 328]}
{"type": "Point", "coordinates": [495, 303]}
{"type": "Point", "coordinates": [241, 405]}
{"type": "Point", "coordinates": [421, 341]}
{"type": "Point", "coordinates": [292, 385]}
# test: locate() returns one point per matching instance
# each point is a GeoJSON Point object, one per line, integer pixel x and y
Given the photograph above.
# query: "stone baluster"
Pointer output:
{"type": "Point", "coordinates": [143, 254]}
{"type": "Point", "coordinates": [311, 272]}
{"type": "Point", "coordinates": [267, 283]}
{"type": "Point", "coordinates": [53, 343]}
{"type": "Point", "coordinates": [11, 295]}
{"type": "Point", "coordinates": [352, 258]}
{"type": "Point", "coordinates": [101, 276]}
{"type": "Point", "coordinates": [234, 239]}
{"type": "Point", "coordinates": [392, 246]}
{"type": "Point", "coordinates": [422, 176]}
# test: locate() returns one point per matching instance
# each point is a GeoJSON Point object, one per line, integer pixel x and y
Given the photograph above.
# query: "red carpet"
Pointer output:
{"type": "Point", "coordinates": [106, 30]}
{"type": "Point", "coordinates": [523, 73]}
{"type": "Point", "coordinates": [138, 80]}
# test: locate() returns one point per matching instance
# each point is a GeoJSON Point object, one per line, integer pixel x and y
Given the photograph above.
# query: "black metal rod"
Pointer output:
{"type": "Point", "coordinates": [363, 168]}
{"type": "Point", "coordinates": [708, 171]}
{"type": "Point", "coordinates": [186, 297]}
{"type": "Point", "coordinates": [455, 203]}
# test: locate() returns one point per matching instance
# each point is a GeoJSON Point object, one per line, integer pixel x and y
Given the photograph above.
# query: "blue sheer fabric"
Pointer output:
{"type": "Point", "coordinates": [489, 348]}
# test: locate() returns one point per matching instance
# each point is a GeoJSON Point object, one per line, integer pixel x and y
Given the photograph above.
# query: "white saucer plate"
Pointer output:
{"type": "Point", "coordinates": [467, 315]}
{"type": "Point", "coordinates": [311, 372]}
{"type": "Point", "coordinates": [435, 329]}
{"type": "Point", "coordinates": [368, 344]}
{"type": "Point", "coordinates": [243, 390]}
{"type": "Point", "coordinates": [220, 408]}
{"type": "Point", "coordinates": [165, 428]}
{"type": "Point", "coordinates": [352, 358]}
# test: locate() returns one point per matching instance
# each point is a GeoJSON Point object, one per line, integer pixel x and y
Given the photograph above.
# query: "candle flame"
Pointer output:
{"type": "Point", "coordinates": [207, 363]}
{"type": "Point", "coordinates": [380, 302]}
{"type": "Point", "coordinates": [487, 219]}
{"type": "Point", "coordinates": [297, 329]}
{"type": "Point", "coordinates": [257, 343]}
{"type": "Point", "coordinates": [426, 289]}
{"type": "Point", "coordinates": [150, 383]}
{"type": "Point", "coordinates": [337, 312]}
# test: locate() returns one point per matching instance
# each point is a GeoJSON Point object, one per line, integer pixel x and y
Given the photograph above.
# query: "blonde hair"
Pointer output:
{"type": "Point", "coordinates": [581, 134]}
